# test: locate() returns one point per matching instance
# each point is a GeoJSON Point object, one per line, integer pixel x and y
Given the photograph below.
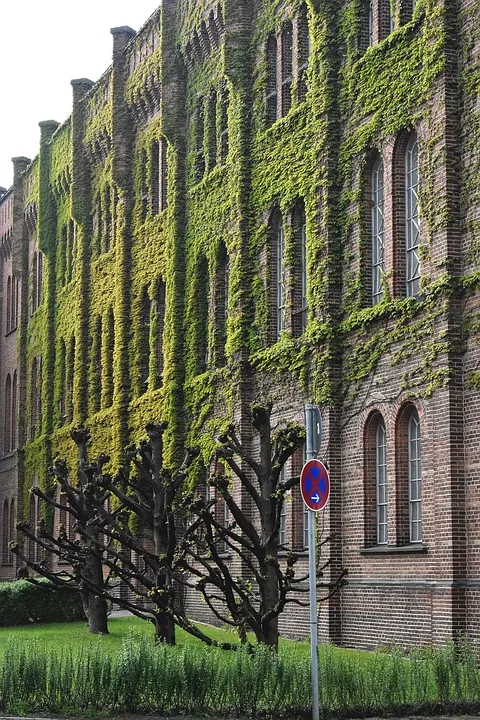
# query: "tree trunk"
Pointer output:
{"type": "Point", "coordinates": [164, 628]}
{"type": "Point", "coordinates": [95, 607]}
{"type": "Point", "coordinates": [269, 600]}
{"type": "Point", "coordinates": [97, 615]}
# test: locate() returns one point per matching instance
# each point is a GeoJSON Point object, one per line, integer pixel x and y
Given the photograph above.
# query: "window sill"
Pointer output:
{"type": "Point", "coordinates": [411, 549]}
{"type": "Point", "coordinates": [11, 331]}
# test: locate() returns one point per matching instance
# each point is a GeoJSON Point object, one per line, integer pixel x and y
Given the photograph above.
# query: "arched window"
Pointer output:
{"type": "Point", "coordinates": [33, 520]}
{"type": "Point", "coordinates": [272, 79]}
{"type": "Point", "coordinates": [8, 416]}
{"type": "Point", "coordinates": [409, 476]}
{"type": "Point", "coordinates": [224, 100]}
{"type": "Point", "coordinates": [34, 398]}
{"type": "Point", "coordinates": [378, 230]}
{"type": "Point", "coordinates": [11, 527]}
{"type": "Point", "coordinates": [163, 188]}
{"type": "Point", "coordinates": [280, 278]}
{"type": "Point", "coordinates": [158, 317]}
{"type": "Point", "coordinates": [199, 140]}
{"type": "Point", "coordinates": [39, 279]}
{"type": "Point", "coordinates": [96, 365]}
{"type": "Point", "coordinates": [412, 220]}
{"type": "Point", "coordinates": [375, 481]}
{"type": "Point", "coordinates": [70, 235]}
{"type": "Point", "coordinates": [107, 215]}
{"type": "Point", "coordinates": [34, 281]}
{"type": "Point", "coordinates": [371, 31]}
{"type": "Point", "coordinates": [221, 304]}
{"type": "Point", "coordinates": [15, 290]}
{"type": "Point", "coordinates": [381, 483]}
{"type": "Point", "coordinates": [287, 67]}
{"type": "Point", "coordinates": [415, 478]}
{"type": "Point", "coordinates": [203, 304]}
{"type": "Point", "coordinates": [211, 127]}
{"type": "Point", "coordinates": [9, 305]}
{"type": "Point", "coordinates": [107, 365]}
{"type": "Point", "coordinates": [5, 533]}
{"type": "Point", "coordinates": [155, 177]}
{"type": "Point", "coordinates": [62, 375]}
{"type": "Point", "coordinates": [144, 341]}
{"type": "Point", "coordinates": [300, 303]}
{"type": "Point", "coordinates": [70, 380]}
{"type": "Point", "coordinates": [303, 52]}
{"type": "Point", "coordinates": [14, 409]}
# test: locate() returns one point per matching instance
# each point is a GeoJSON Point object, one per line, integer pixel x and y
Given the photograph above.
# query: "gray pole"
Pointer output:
{"type": "Point", "coordinates": [311, 418]}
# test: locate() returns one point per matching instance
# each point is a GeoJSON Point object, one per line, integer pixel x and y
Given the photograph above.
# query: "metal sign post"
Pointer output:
{"type": "Point", "coordinates": [315, 489]}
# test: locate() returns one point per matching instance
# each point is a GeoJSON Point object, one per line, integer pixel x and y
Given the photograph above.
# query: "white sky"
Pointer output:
{"type": "Point", "coordinates": [44, 44]}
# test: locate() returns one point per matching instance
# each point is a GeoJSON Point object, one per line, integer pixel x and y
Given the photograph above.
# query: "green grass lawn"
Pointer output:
{"type": "Point", "coordinates": [62, 668]}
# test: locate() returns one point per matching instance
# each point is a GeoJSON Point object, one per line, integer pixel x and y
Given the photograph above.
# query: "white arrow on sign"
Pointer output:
{"type": "Point", "coordinates": [315, 498]}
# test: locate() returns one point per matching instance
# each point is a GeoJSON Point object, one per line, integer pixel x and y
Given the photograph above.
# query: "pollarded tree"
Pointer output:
{"type": "Point", "coordinates": [257, 596]}
{"type": "Point", "coordinates": [141, 539]}
{"type": "Point", "coordinates": [82, 563]}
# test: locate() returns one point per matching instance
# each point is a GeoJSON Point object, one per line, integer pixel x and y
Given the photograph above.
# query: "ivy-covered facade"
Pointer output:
{"type": "Point", "coordinates": [271, 200]}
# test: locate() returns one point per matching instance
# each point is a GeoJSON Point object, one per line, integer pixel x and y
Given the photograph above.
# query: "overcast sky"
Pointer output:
{"type": "Point", "coordinates": [44, 44]}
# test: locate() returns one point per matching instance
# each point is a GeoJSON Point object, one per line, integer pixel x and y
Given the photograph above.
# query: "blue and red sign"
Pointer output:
{"type": "Point", "coordinates": [315, 485]}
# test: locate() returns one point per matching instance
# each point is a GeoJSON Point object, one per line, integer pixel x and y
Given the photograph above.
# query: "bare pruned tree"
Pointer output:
{"type": "Point", "coordinates": [256, 596]}
{"type": "Point", "coordinates": [82, 563]}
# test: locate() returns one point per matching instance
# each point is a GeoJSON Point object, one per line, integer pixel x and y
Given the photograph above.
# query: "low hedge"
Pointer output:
{"type": "Point", "coordinates": [22, 602]}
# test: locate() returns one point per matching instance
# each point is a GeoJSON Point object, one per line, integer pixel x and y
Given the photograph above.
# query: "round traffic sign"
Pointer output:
{"type": "Point", "coordinates": [315, 485]}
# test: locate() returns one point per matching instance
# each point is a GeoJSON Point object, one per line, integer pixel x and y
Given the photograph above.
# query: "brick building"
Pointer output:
{"type": "Point", "coordinates": [275, 200]}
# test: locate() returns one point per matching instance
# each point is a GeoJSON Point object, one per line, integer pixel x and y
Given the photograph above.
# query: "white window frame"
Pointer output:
{"type": "Point", "coordinates": [281, 287]}
{"type": "Point", "coordinates": [303, 242]}
{"type": "Point", "coordinates": [378, 230]}
{"type": "Point", "coordinates": [412, 219]}
{"type": "Point", "coordinates": [381, 483]}
{"type": "Point", "coordinates": [414, 479]}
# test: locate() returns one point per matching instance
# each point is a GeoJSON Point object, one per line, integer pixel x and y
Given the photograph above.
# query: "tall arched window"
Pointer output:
{"type": "Point", "coordinates": [12, 527]}
{"type": "Point", "coordinates": [272, 79]}
{"type": "Point", "coordinates": [378, 230]}
{"type": "Point", "coordinates": [8, 416]}
{"type": "Point", "coordinates": [303, 52]}
{"type": "Point", "coordinates": [33, 520]}
{"type": "Point", "coordinates": [14, 302]}
{"type": "Point", "coordinates": [8, 323]}
{"type": "Point", "coordinates": [159, 318]}
{"type": "Point", "coordinates": [199, 140]}
{"type": "Point", "coordinates": [5, 533]}
{"type": "Point", "coordinates": [14, 409]}
{"type": "Point", "coordinates": [62, 375]}
{"type": "Point", "coordinates": [221, 304]}
{"type": "Point", "coordinates": [107, 365]}
{"type": "Point", "coordinates": [224, 100]}
{"type": "Point", "coordinates": [371, 32]}
{"type": "Point", "coordinates": [412, 219]}
{"type": "Point", "coordinates": [415, 478]}
{"type": "Point", "coordinates": [34, 281]}
{"type": "Point", "coordinates": [96, 365]}
{"type": "Point", "coordinates": [287, 67]}
{"type": "Point", "coordinates": [34, 398]}
{"type": "Point", "coordinates": [70, 380]}
{"type": "Point", "coordinates": [163, 186]}
{"type": "Point", "coordinates": [381, 483]}
{"type": "Point", "coordinates": [155, 177]}
{"type": "Point", "coordinates": [211, 127]}
{"type": "Point", "coordinates": [144, 341]}
{"type": "Point", "coordinates": [300, 303]}
{"type": "Point", "coordinates": [280, 278]}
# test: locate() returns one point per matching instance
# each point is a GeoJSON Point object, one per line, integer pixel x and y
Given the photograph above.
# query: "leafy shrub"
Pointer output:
{"type": "Point", "coordinates": [21, 603]}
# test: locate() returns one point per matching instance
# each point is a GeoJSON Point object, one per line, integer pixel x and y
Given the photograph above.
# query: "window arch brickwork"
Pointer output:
{"type": "Point", "coordinates": [406, 220]}
{"type": "Point", "coordinates": [409, 476]}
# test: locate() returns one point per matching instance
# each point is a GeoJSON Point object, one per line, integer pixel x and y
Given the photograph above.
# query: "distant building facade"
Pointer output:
{"type": "Point", "coordinates": [279, 201]}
